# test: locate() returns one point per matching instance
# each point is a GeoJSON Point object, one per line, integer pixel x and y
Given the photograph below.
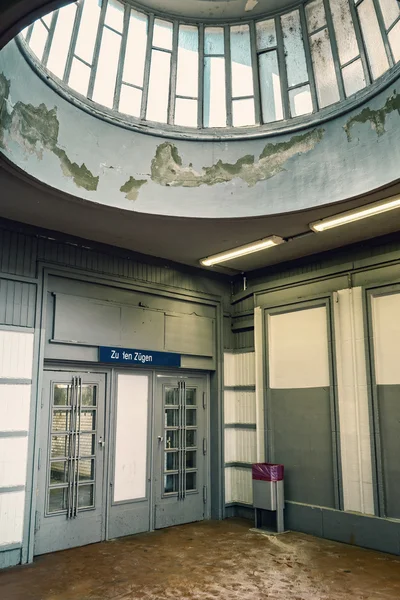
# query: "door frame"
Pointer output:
{"type": "Point", "coordinates": [110, 424]}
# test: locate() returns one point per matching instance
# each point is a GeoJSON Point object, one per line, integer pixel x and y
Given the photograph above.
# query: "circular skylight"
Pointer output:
{"type": "Point", "coordinates": [212, 77]}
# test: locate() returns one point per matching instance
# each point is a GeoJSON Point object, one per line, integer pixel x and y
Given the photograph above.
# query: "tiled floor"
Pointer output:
{"type": "Point", "coordinates": [207, 561]}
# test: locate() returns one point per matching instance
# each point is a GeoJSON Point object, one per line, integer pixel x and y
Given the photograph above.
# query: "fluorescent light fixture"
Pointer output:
{"type": "Point", "coordinates": [268, 242]}
{"type": "Point", "coordinates": [357, 214]}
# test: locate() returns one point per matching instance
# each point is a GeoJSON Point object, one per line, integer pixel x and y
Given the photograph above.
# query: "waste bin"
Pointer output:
{"type": "Point", "coordinates": [268, 492]}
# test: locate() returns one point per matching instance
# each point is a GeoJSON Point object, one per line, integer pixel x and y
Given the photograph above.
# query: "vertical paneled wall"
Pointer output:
{"type": "Point", "coordinates": [16, 357]}
{"type": "Point", "coordinates": [385, 309]}
{"type": "Point", "coordinates": [240, 425]}
{"type": "Point", "coordinates": [300, 428]}
{"type": "Point", "coordinates": [352, 397]}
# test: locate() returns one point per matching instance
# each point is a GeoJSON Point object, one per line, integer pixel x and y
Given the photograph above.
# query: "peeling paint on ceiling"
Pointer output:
{"type": "Point", "coordinates": [167, 168]}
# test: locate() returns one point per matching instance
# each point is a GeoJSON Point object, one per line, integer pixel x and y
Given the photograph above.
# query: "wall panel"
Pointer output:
{"type": "Point", "coordinates": [353, 400]}
{"type": "Point", "coordinates": [11, 517]}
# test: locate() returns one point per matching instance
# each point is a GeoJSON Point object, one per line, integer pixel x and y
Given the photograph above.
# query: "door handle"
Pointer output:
{"type": "Point", "coordinates": [160, 439]}
{"type": "Point", "coordinates": [101, 443]}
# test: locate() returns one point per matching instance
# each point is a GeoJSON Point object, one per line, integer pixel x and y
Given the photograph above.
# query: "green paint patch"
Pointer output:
{"type": "Point", "coordinates": [132, 187]}
{"type": "Point", "coordinates": [167, 168]}
{"type": "Point", "coordinates": [80, 174]}
{"type": "Point", "coordinates": [4, 116]}
{"type": "Point", "coordinates": [377, 118]}
{"type": "Point", "coordinates": [36, 128]}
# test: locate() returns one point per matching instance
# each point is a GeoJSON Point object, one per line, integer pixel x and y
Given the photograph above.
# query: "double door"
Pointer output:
{"type": "Point", "coordinates": [76, 459]}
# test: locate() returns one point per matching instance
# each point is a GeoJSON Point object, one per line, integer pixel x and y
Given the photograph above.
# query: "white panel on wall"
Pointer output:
{"type": "Point", "coordinates": [239, 369]}
{"type": "Point", "coordinates": [130, 469]}
{"type": "Point", "coordinates": [238, 485]}
{"type": "Point", "coordinates": [386, 332]}
{"type": "Point", "coordinates": [16, 354]}
{"type": "Point", "coordinates": [240, 406]}
{"type": "Point", "coordinates": [298, 349]}
{"type": "Point", "coordinates": [355, 439]}
{"type": "Point", "coordinates": [240, 445]}
{"type": "Point", "coordinates": [13, 456]}
{"type": "Point", "coordinates": [260, 381]}
{"type": "Point", "coordinates": [14, 407]}
{"type": "Point", "coordinates": [11, 517]}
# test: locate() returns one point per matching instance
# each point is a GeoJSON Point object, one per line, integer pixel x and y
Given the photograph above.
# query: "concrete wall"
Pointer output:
{"type": "Point", "coordinates": [346, 156]}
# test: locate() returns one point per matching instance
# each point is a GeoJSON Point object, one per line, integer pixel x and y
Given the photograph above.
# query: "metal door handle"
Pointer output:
{"type": "Point", "coordinates": [160, 438]}
{"type": "Point", "coordinates": [101, 443]}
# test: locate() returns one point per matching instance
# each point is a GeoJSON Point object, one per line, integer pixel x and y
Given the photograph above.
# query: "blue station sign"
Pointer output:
{"type": "Point", "coordinates": [132, 356]}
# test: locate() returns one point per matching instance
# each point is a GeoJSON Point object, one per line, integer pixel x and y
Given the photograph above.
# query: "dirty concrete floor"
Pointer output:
{"type": "Point", "coordinates": [208, 561]}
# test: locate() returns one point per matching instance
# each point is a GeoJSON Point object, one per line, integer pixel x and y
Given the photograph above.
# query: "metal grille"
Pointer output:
{"type": "Point", "coordinates": [181, 440]}
{"type": "Point", "coordinates": [71, 471]}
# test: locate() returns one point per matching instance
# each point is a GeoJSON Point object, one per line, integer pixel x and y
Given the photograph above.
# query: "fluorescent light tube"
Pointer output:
{"type": "Point", "coordinates": [269, 242]}
{"type": "Point", "coordinates": [356, 215]}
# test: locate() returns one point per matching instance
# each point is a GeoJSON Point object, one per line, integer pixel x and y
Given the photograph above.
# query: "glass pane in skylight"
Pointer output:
{"type": "Point", "coordinates": [187, 83]}
{"type": "Point", "coordinates": [135, 54]}
{"type": "Point", "coordinates": [38, 39]}
{"type": "Point", "coordinates": [394, 39]}
{"type": "Point", "coordinates": [241, 64]}
{"type": "Point", "coordinates": [157, 102]}
{"type": "Point", "coordinates": [162, 35]}
{"type": "Point", "coordinates": [61, 40]}
{"type": "Point", "coordinates": [300, 101]}
{"type": "Point", "coordinates": [107, 67]}
{"type": "Point", "coordinates": [373, 38]}
{"type": "Point", "coordinates": [296, 65]}
{"type": "Point", "coordinates": [315, 14]}
{"type": "Point", "coordinates": [186, 112]}
{"type": "Point", "coordinates": [243, 112]}
{"type": "Point", "coordinates": [353, 77]}
{"type": "Point", "coordinates": [270, 85]}
{"type": "Point", "coordinates": [214, 92]}
{"type": "Point", "coordinates": [390, 11]}
{"type": "Point", "coordinates": [266, 35]}
{"type": "Point", "coordinates": [130, 101]}
{"type": "Point", "coordinates": [214, 40]}
{"type": "Point", "coordinates": [344, 31]}
{"type": "Point", "coordinates": [79, 77]}
{"type": "Point", "coordinates": [324, 69]}
{"type": "Point", "coordinates": [88, 30]}
{"type": "Point", "coordinates": [115, 15]}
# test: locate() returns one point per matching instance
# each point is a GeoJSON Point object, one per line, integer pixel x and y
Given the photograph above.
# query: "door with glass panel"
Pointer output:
{"type": "Point", "coordinates": [71, 455]}
{"type": "Point", "coordinates": [180, 451]}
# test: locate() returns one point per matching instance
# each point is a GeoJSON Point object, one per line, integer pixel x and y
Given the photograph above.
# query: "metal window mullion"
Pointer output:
{"type": "Point", "coordinates": [360, 41]}
{"type": "Point", "coordinates": [49, 38]}
{"type": "Point", "coordinates": [200, 91]}
{"type": "Point", "coordinates": [309, 63]}
{"type": "Point", "coordinates": [147, 66]}
{"type": "Point", "coordinates": [78, 448]}
{"type": "Point", "coordinates": [121, 61]}
{"type": "Point", "coordinates": [382, 27]}
{"type": "Point", "coordinates": [256, 73]}
{"type": "Point", "coordinates": [180, 479]}
{"type": "Point", "coordinates": [71, 449]}
{"type": "Point", "coordinates": [29, 33]}
{"type": "Point", "coordinates": [173, 74]}
{"type": "Point", "coordinates": [389, 29]}
{"type": "Point", "coordinates": [97, 46]}
{"type": "Point", "coordinates": [282, 68]}
{"type": "Point", "coordinates": [72, 44]}
{"type": "Point", "coordinates": [351, 61]}
{"type": "Point", "coordinates": [335, 50]}
{"type": "Point", "coordinates": [228, 75]}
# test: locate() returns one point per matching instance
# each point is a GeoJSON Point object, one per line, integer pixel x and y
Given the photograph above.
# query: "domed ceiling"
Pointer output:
{"type": "Point", "coordinates": [216, 9]}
